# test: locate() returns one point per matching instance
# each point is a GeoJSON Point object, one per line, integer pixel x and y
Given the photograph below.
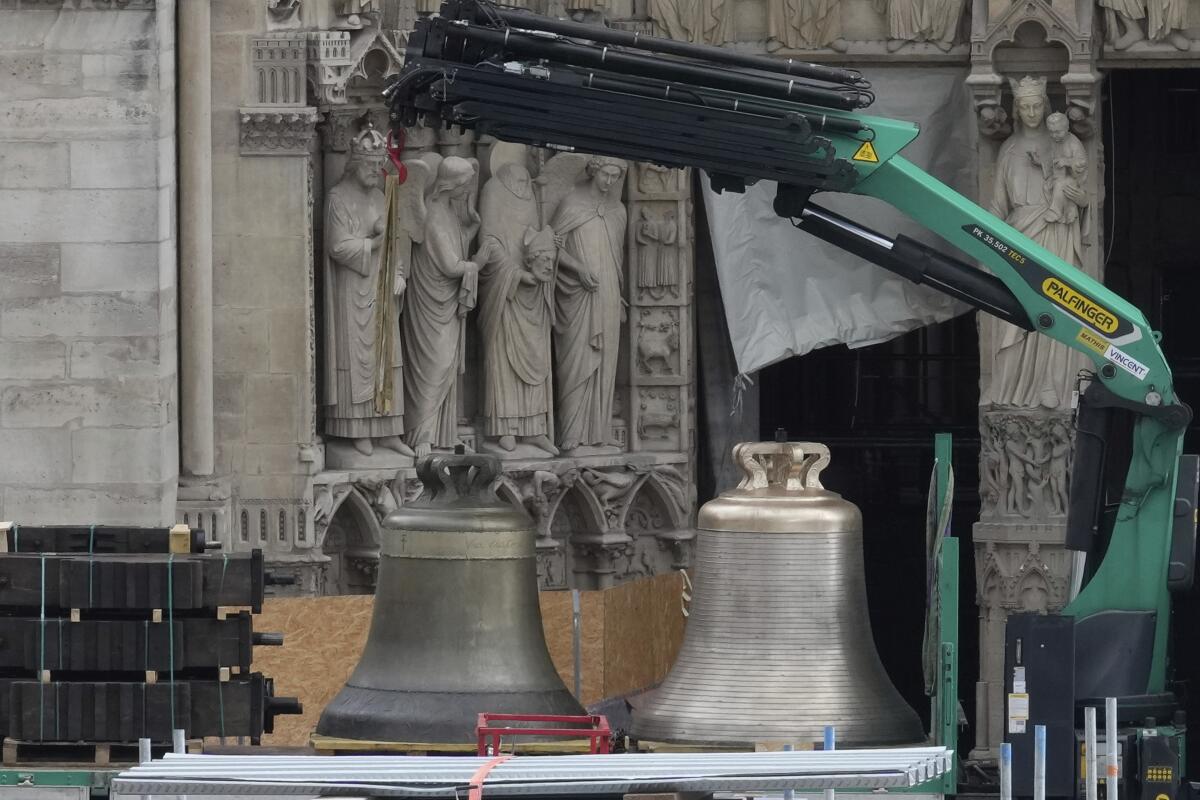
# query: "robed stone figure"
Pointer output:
{"type": "Point", "coordinates": [363, 286]}
{"type": "Point", "coordinates": [442, 288]}
{"type": "Point", "coordinates": [591, 222]}
{"type": "Point", "coordinates": [516, 311]}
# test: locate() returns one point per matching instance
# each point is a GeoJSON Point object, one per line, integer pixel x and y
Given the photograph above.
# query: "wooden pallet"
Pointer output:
{"type": "Point", "coordinates": [99, 754]}
{"type": "Point", "coordinates": [332, 746]}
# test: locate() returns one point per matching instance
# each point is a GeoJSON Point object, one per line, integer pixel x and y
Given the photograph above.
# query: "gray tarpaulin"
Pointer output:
{"type": "Point", "coordinates": [786, 293]}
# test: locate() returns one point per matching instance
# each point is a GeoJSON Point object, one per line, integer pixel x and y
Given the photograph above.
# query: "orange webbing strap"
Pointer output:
{"type": "Point", "coordinates": [481, 774]}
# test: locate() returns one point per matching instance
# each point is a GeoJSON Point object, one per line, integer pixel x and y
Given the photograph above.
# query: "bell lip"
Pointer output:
{"type": "Point", "coordinates": [456, 518]}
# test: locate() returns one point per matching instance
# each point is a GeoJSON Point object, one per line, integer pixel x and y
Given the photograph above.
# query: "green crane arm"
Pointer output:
{"type": "Point", "coordinates": [552, 83]}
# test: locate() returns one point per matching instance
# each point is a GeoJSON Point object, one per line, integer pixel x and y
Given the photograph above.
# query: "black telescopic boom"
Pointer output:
{"type": "Point", "coordinates": [597, 33]}
{"type": "Point", "coordinates": [579, 55]}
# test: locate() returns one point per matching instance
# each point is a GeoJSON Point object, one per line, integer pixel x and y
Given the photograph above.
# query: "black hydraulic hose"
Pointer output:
{"type": "Point", "coordinates": [533, 46]}
{"type": "Point", "coordinates": [918, 263]}
{"type": "Point", "coordinates": [654, 44]}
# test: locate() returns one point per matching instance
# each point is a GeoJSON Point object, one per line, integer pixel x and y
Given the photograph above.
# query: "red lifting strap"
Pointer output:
{"type": "Point", "coordinates": [476, 792]}
{"type": "Point", "coordinates": [394, 147]}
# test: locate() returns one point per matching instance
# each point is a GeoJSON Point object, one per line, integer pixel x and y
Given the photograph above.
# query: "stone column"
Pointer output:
{"type": "Point", "coordinates": [195, 240]}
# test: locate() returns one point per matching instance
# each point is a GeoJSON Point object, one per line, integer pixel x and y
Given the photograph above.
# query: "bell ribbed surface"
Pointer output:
{"type": "Point", "coordinates": [778, 641]}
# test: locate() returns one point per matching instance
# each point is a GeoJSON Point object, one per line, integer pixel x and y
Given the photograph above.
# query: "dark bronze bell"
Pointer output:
{"type": "Point", "coordinates": [457, 629]}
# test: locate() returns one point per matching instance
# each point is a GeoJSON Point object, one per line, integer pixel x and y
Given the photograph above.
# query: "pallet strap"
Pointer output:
{"type": "Point", "coordinates": [220, 638]}
{"type": "Point", "coordinates": [42, 657]}
{"type": "Point", "coordinates": [171, 631]}
{"type": "Point", "coordinates": [476, 786]}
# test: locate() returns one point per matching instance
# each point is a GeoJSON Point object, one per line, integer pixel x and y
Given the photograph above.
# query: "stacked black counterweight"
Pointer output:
{"type": "Point", "coordinates": [114, 634]}
{"type": "Point", "coordinates": [527, 78]}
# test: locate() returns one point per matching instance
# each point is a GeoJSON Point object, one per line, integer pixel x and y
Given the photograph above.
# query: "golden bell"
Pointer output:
{"type": "Point", "coordinates": [778, 642]}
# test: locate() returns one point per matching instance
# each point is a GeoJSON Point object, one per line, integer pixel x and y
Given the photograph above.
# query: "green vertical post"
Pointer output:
{"type": "Point", "coordinates": [944, 716]}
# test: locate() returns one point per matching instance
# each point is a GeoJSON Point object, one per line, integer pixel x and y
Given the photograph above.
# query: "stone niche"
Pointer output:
{"type": "Point", "coordinates": [520, 302]}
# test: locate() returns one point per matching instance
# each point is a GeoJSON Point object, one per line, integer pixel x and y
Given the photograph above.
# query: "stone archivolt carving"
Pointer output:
{"type": "Point", "coordinates": [1037, 191]}
{"type": "Point", "coordinates": [364, 283]}
{"type": "Point", "coordinates": [1025, 466]}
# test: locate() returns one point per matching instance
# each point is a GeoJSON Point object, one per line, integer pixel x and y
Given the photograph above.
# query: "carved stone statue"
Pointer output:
{"type": "Point", "coordinates": [443, 284]}
{"type": "Point", "coordinates": [1030, 370]}
{"type": "Point", "coordinates": [516, 311]}
{"type": "Point", "coordinates": [353, 13]}
{"type": "Point", "coordinates": [364, 384]}
{"type": "Point", "coordinates": [1067, 167]}
{"type": "Point", "coordinates": [804, 25]}
{"type": "Point", "coordinates": [1025, 465]}
{"type": "Point", "coordinates": [702, 21]}
{"type": "Point", "coordinates": [1166, 20]}
{"type": "Point", "coordinates": [657, 267]}
{"type": "Point", "coordinates": [589, 304]}
{"type": "Point", "coordinates": [934, 21]}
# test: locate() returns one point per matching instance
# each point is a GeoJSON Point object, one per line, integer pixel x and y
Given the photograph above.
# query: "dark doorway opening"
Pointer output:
{"type": "Point", "coordinates": [1151, 130]}
{"type": "Point", "coordinates": [878, 409]}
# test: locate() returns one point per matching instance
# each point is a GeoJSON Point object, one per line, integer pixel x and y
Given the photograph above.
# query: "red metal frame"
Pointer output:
{"type": "Point", "coordinates": [598, 734]}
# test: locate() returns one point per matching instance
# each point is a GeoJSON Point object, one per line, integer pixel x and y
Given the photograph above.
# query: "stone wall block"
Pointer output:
{"type": "Point", "coordinates": [45, 457]}
{"type": "Point", "coordinates": [128, 357]}
{"type": "Point", "coordinates": [289, 348]}
{"type": "Point", "coordinates": [65, 118]}
{"type": "Point", "coordinates": [126, 505]}
{"type": "Point", "coordinates": [110, 267]}
{"type": "Point", "coordinates": [134, 403]}
{"type": "Point", "coordinates": [114, 164]}
{"type": "Point", "coordinates": [266, 272]}
{"type": "Point", "coordinates": [29, 270]}
{"type": "Point", "coordinates": [84, 215]}
{"type": "Point", "coordinates": [117, 456]}
{"type": "Point", "coordinates": [40, 360]}
{"type": "Point", "coordinates": [128, 29]}
{"type": "Point", "coordinates": [131, 314]}
{"type": "Point", "coordinates": [272, 459]}
{"type": "Point", "coordinates": [272, 409]}
{"type": "Point", "coordinates": [34, 165]}
{"type": "Point", "coordinates": [240, 341]}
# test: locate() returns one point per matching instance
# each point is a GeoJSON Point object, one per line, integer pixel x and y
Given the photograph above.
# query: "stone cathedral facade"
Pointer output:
{"type": "Point", "coordinates": [193, 273]}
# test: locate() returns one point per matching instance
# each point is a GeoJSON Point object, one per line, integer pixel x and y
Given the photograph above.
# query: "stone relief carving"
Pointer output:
{"type": "Point", "coordinates": [1165, 21]}
{"type": "Point", "coordinates": [278, 65]}
{"type": "Point", "coordinates": [276, 132]}
{"type": "Point", "coordinates": [702, 21]}
{"type": "Point", "coordinates": [1025, 466]}
{"type": "Point", "coordinates": [658, 414]}
{"type": "Point", "coordinates": [364, 377]}
{"type": "Point", "coordinates": [933, 21]}
{"type": "Point", "coordinates": [354, 14]}
{"type": "Point", "coordinates": [516, 311]}
{"type": "Point", "coordinates": [1036, 169]}
{"type": "Point", "coordinates": [657, 256]}
{"type": "Point", "coordinates": [440, 222]}
{"type": "Point", "coordinates": [589, 303]}
{"type": "Point", "coordinates": [805, 25]}
{"type": "Point", "coordinates": [283, 12]}
{"type": "Point", "coordinates": [658, 341]}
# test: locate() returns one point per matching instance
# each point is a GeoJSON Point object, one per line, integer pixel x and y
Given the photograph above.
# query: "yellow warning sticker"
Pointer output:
{"type": "Point", "coordinates": [866, 153]}
{"type": "Point", "coordinates": [1086, 309]}
{"type": "Point", "coordinates": [1093, 341]}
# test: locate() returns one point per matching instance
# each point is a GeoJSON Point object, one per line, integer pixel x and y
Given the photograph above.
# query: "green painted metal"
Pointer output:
{"type": "Point", "coordinates": [93, 778]}
{"type": "Point", "coordinates": [944, 711]}
{"type": "Point", "coordinates": [1086, 317]}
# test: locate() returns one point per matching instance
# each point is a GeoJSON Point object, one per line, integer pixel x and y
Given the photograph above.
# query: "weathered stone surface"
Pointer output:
{"type": "Point", "coordinates": [253, 272]}
{"type": "Point", "coordinates": [45, 456]}
{"type": "Point", "coordinates": [33, 165]}
{"type": "Point", "coordinates": [110, 267]}
{"type": "Point", "coordinates": [272, 409]}
{"type": "Point", "coordinates": [28, 270]}
{"type": "Point", "coordinates": [240, 341]}
{"type": "Point", "coordinates": [35, 73]}
{"type": "Point", "coordinates": [32, 360]}
{"type": "Point", "coordinates": [114, 164]}
{"type": "Point", "coordinates": [66, 118]}
{"type": "Point", "coordinates": [127, 403]}
{"type": "Point", "coordinates": [237, 16]}
{"type": "Point", "coordinates": [129, 357]}
{"type": "Point", "coordinates": [96, 215]}
{"type": "Point", "coordinates": [118, 455]}
{"type": "Point", "coordinates": [118, 32]}
{"type": "Point", "coordinates": [127, 505]}
{"type": "Point", "coordinates": [120, 73]}
{"type": "Point", "coordinates": [84, 316]}
{"type": "Point", "coordinates": [271, 459]}
{"type": "Point", "coordinates": [289, 348]}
